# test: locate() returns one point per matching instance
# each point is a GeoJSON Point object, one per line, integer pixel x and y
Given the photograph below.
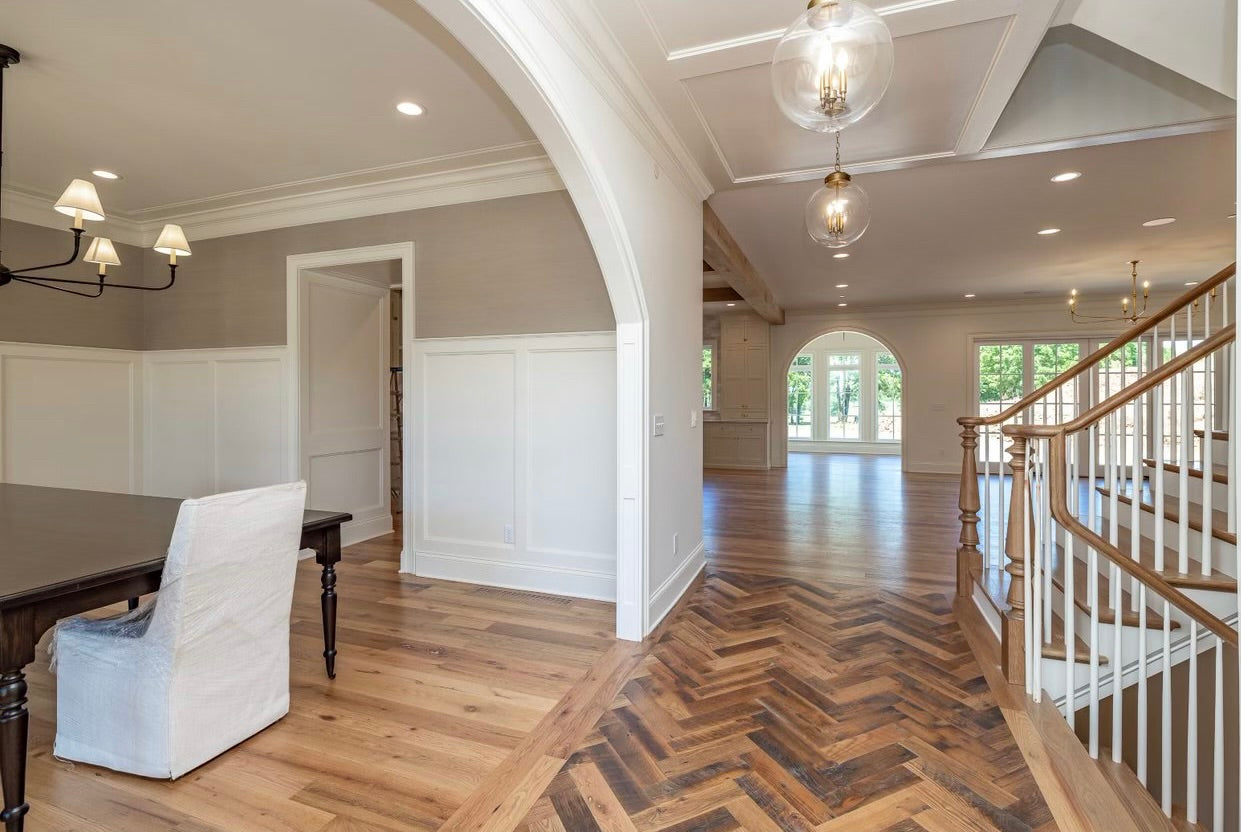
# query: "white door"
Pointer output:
{"type": "Point", "coordinates": [344, 401]}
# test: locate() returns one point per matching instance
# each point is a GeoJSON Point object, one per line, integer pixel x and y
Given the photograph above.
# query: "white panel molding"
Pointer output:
{"type": "Point", "coordinates": [76, 467]}
{"type": "Point", "coordinates": [811, 446]}
{"type": "Point", "coordinates": [402, 188]}
{"type": "Point", "coordinates": [670, 591]}
{"type": "Point", "coordinates": [556, 567]}
{"type": "Point", "coordinates": [164, 456]}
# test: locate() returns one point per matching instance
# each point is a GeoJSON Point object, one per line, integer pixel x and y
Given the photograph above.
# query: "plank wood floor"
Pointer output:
{"type": "Point", "coordinates": [815, 679]}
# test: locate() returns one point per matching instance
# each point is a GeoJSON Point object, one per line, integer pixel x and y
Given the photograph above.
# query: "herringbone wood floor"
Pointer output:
{"type": "Point", "coordinates": [816, 680]}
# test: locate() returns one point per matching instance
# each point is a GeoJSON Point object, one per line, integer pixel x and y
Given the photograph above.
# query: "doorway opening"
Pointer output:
{"type": "Point", "coordinates": [350, 322]}
{"type": "Point", "coordinates": [845, 394]}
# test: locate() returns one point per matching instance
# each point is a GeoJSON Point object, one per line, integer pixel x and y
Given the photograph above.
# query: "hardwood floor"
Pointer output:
{"type": "Point", "coordinates": [815, 679]}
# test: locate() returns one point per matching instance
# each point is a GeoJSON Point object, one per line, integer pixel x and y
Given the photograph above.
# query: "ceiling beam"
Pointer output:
{"type": "Point", "coordinates": [725, 256]}
{"type": "Point", "coordinates": [720, 294]}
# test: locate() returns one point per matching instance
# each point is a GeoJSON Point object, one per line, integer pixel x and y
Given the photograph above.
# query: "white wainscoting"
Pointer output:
{"type": "Point", "coordinates": [515, 462]}
{"type": "Point", "coordinates": [71, 417]}
{"type": "Point", "coordinates": [217, 420]}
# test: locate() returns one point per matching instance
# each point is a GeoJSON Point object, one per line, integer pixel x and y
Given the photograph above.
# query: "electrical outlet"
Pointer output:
{"type": "Point", "coordinates": [508, 533]}
{"type": "Point", "coordinates": [676, 542]}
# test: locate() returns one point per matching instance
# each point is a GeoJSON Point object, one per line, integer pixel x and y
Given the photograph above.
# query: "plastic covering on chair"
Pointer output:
{"type": "Point", "coordinates": [205, 664]}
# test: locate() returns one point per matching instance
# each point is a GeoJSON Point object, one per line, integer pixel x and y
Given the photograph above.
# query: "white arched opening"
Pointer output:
{"type": "Point", "coordinates": [646, 230]}
{"type": "Point", "coordinates": [844, 393]}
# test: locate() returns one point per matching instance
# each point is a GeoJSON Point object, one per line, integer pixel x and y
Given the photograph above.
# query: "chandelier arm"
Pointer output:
{"type": "Point", "coordinates": [77, 247]}
{"type": "Point", "coordinates": [172, 278]}
{"type": "Point", "coordinates": [36, 282]}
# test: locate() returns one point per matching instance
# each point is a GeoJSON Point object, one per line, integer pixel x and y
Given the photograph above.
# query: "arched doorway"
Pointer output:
{"type": "Point", "coordinates": [845, 394]}
{"type": "Point", "coordinates": [644, 221]}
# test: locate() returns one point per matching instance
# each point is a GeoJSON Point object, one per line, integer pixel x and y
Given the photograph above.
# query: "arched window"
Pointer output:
{"type": "Point", "coordinates": [844, 393]}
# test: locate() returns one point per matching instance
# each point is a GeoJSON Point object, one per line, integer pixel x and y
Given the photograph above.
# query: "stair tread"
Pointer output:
{"type": "Point", "coordinates": [1081, 595]}
{"type": "Point", "coordinates": [995, 583]}
{"type": "Point", "coordinates": [1171, 511]}
{"type": "Point", "coordinates": [1219, 473]}
{"type": "Point", "coordinates": [1221, 435]}
{"type": "Point", "coordinates": [1191, 579]}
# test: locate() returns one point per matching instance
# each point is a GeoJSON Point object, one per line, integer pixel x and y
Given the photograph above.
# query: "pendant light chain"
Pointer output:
{"type": "Point", "coordinates": [837, 150]}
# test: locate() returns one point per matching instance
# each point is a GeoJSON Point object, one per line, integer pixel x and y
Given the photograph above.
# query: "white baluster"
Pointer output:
{"type": "Point", "coordinates": [1165, 718]}
{"type": "Point", "coordinates": [1157, 476]}
{"type": "Point", "coordinates": [1208, 463]}
{"type": "Point", "coordinates": [1191, 728]}
{"type": "Point", "coordinates": [1143, 700]}
{"type": "Point", "coordinates": [1135, 507]}
{"type": "Point", "coordinates": [1070, 564]}
{"type": "Point", "coordinates": [1174, 433]}
{"type": "Point", "coordinates": [1092, 558]}
{"type": "Point", "coordinates": [1217, 769]}
{"type": "Point", "coordinates": [1187, 437]}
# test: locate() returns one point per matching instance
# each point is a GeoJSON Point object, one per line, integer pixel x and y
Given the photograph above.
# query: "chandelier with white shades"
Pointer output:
{"type": "Point", "coordinates": [830, 70]}
{"type": "Point", "coordinates": [81, 202]}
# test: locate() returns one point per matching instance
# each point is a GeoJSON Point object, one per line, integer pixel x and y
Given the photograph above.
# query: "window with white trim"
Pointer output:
{"type": "Point", "coordinates": [844, 388]}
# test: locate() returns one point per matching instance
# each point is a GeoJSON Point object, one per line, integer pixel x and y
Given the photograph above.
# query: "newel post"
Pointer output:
{"type": "Point", "coordinates": [969, 559]}
{"type": "Point", "coordinates": [1013, 633]}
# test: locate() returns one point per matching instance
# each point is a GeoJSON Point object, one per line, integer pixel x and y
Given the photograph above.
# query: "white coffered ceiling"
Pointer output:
{"type": "Point", "coordinates": [989, 99]}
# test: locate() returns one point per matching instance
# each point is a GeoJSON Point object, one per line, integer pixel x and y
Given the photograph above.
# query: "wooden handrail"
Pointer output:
{"type": "Point", "coordinates": [1151, 579]}
{"type": "Point", "coordinates": [1142, 385]}
{"type": "Point", "coordinates": [1146, 325]}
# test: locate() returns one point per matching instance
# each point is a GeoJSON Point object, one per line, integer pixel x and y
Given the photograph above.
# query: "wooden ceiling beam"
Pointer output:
{"type": "Point", "coordinates": [720, 294]}
{"type": "Point", "coordinates": [722, 253]}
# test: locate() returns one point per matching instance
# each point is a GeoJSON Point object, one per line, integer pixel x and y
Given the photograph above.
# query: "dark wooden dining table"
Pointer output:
{"type": "Point", "coordinates": [64, 552]}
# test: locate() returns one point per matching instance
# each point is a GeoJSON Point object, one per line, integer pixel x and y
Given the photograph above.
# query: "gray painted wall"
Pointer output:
{"type": "Point", "coordinates": [501, 267]}
{"type": "Point", "coordinates": [507, 266]}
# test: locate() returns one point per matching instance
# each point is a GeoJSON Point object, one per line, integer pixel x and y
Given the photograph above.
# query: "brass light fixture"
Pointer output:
{"type": "Point", "coordinates": [837, 214]}
{"type": "Point", "coordinates": [833, 65]}
{"type": "Point", "coordinates": [1129, 311]}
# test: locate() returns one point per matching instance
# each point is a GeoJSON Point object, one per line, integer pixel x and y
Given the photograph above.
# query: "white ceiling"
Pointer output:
{"type": "Point", "coordinates": [189, 100]}
{"type": "Point", "coordinates": [941, 231]}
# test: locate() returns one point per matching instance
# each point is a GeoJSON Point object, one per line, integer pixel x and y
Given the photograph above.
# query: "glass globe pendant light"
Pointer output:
{"type": "Point", "coordinates": [838, 214]}
{"type": "Point", "coordinates": [833, 65]}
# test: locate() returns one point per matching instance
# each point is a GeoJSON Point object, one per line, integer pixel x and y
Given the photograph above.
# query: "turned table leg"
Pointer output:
{"type": "Point", "coordinates": [17, 642]}
{"type": "Point", "coordinates": [327, 554]}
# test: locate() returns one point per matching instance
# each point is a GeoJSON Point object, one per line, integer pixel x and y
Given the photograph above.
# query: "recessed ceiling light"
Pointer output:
{"type": "Point", "coordinates": [732, 304]}
{"type": "Point", "coordinates": [1067, 176]}
{"type": "Point", "coordinates": [409, 108]}
{"type": "Point", "coordinates": [842, 285]}
{"type": "Point", "coordinates": [1047, 232]}
{"type": "Point", "coordinates": [105, 174]}
{"type": "Point", "coordinates": [1191, 283]}
{"type": "Point", "coordinates": [1158, 222]}
{"type": "Point", "coordinates": [842, 304]}
{"type": "Point", "coordinates": [840, 256]}
{"type": "Point", "coordinates": [971, 296]}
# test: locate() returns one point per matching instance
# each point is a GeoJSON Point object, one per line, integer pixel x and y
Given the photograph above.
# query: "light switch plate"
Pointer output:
{"type": "Point", "coordinates": [693, 418]}
{"type": "Point", "coordinates": [508, 533]}
{"type": "Point", "coordinates": [657, 426]}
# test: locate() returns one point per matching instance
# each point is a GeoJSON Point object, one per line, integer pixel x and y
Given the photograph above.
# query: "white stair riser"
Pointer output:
{"type": "Point", "coordinates": [1223, 554]}
{"type": "Point", "coordinates": [1172, 486]}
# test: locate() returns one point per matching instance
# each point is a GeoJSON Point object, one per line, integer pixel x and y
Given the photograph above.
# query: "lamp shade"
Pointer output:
{"type": "Point", "coordinates": [80, 196]}
{"type": "Point", "coordinates": [102, 251]}
{"type": "Point", "coordinates": [172, 241]}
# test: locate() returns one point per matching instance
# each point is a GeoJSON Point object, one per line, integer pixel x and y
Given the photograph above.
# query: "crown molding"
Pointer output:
{"type": "Point", "coordinates": [348, 196]}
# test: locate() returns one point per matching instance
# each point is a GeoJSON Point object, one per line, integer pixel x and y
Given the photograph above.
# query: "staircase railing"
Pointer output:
{"type": "Point", "coordinates": [1131, 627]}
{"type": "Point", "coordinates": [985, 484]}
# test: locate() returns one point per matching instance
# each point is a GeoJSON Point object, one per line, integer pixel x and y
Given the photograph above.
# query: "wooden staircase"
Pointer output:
{"type": "Point", "coordinates": [1115, 533]}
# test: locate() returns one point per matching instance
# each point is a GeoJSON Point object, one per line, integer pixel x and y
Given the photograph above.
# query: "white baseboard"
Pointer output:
{"type": "Point", "coordinates": [671, 590]}
{"type": "Point", "coordinates": [810, 446]}
{"type": "Point", "coordinates": [597, 586]}
{"type": "Point", "coordinates": [356, 531]}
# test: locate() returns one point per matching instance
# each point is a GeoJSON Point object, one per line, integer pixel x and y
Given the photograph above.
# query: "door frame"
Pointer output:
{"type": "Point", "coordinates": [295, 264]}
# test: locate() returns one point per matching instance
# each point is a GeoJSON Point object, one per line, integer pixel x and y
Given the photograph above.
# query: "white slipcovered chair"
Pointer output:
{"type": "Point", "coordinates": [205, 664]}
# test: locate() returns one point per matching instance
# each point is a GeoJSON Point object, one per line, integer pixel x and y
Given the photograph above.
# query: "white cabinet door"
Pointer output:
{"type": "Point", "coordinates": [344, 398]}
